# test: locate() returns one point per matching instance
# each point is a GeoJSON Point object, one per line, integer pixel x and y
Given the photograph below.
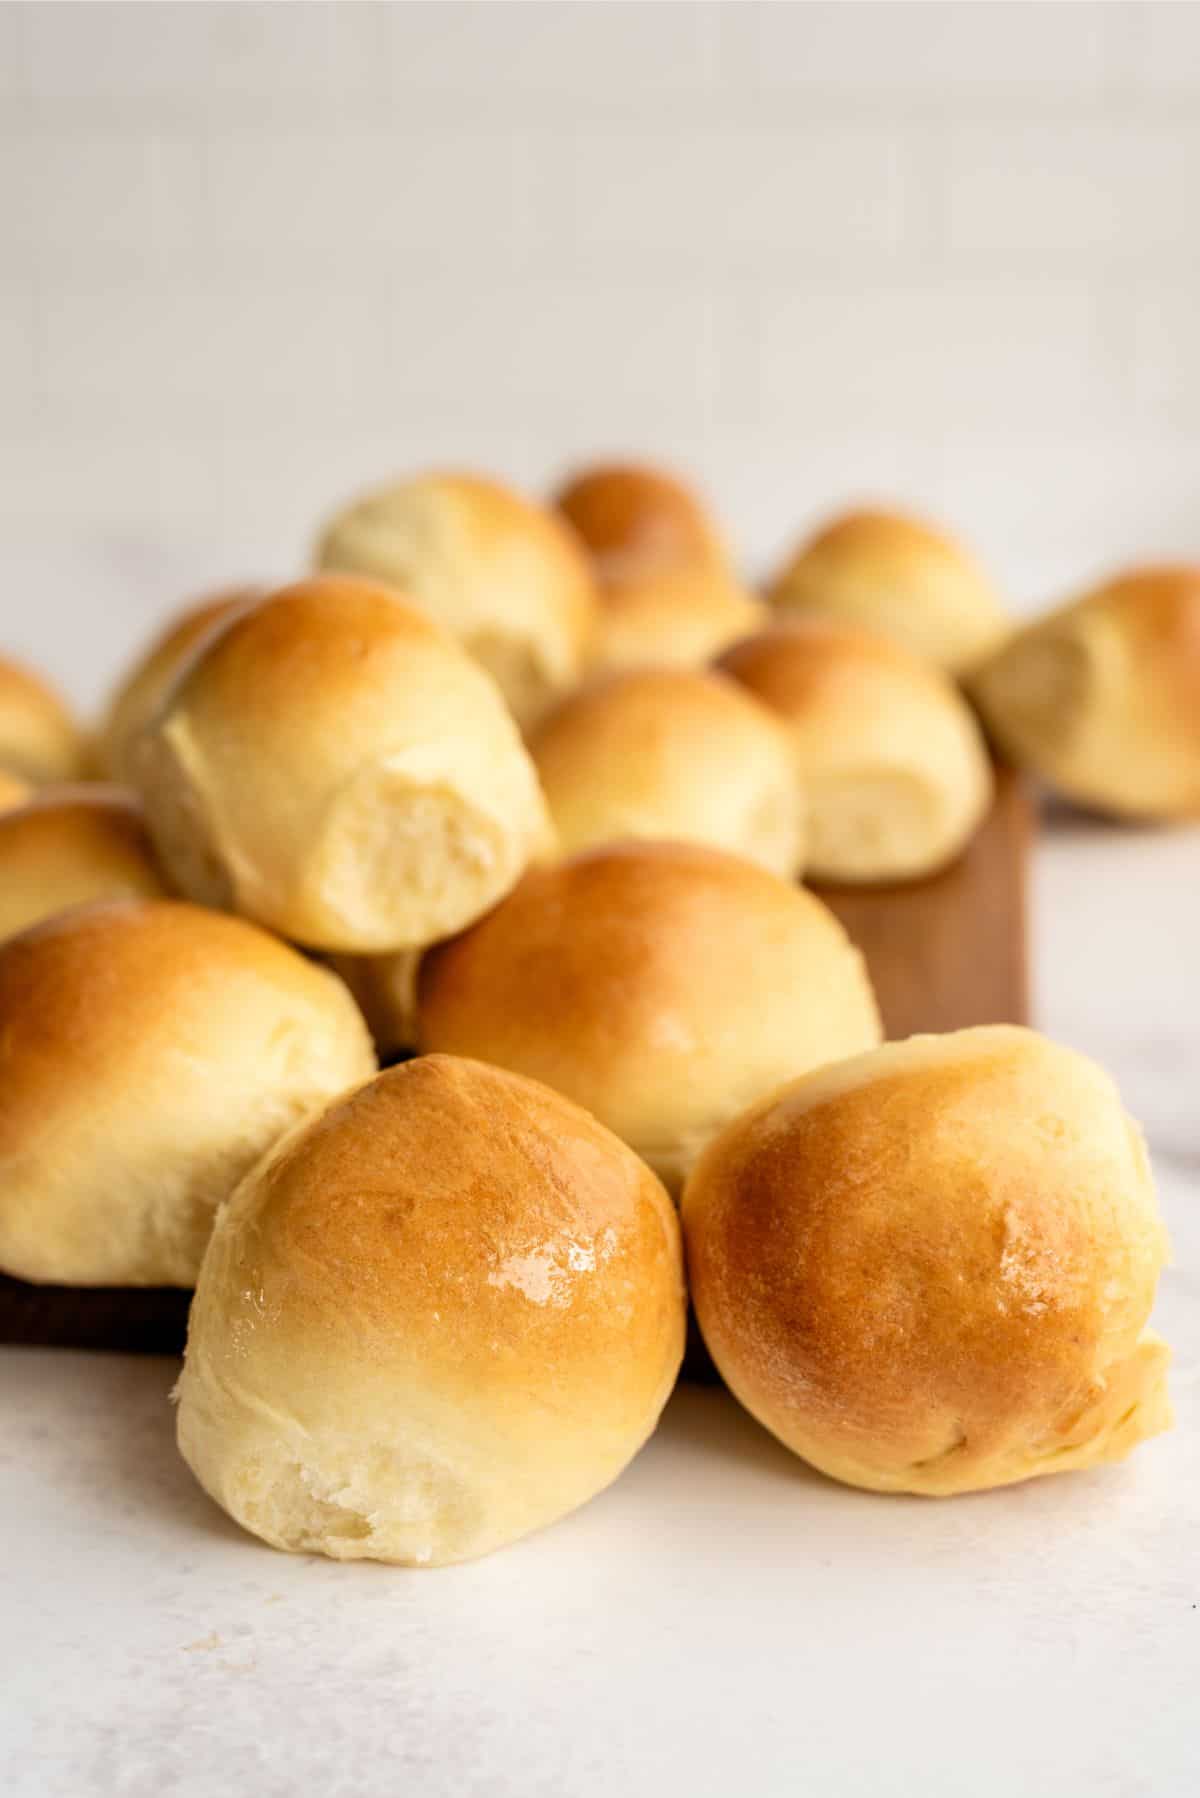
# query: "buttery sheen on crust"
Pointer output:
{"type": "Point", "coordinates": [69, 845]}
{"type": "Point", "coordinates": [502, 574]}
{"type": "Point", "coordinates": [38, 738]}
{"type": "Point", "coordinates": [895, 574]}
{"type": "Point", "coordinates": [148, 681]}
{"type": "Point", "coordinates": [1102, 697]}
{"type": "Point", "coordinates": [664, 986]}
{"type": "Point", "coordinates": [442, 1315]}
{"type": "Point", "coordinates": [672, 753]}
{"type": "Point", "coordinates": [930, 1268]}
{"type": "Point", "coordinates": [334, 766]}
{"type": "Point", "coordinates": [150, 1052]}
{"type": "Point", "coordinates": [892, 761]}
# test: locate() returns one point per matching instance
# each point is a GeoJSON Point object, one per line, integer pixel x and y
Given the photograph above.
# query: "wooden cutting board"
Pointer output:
{"type": "Point", "coordinates": [943, 954]}
{"type": "Point", "coordinates": [949, 952]}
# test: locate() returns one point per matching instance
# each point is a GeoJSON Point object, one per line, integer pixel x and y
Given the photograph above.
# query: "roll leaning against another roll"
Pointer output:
{"type": "Point", "coordinates": [890, 757]}
{"type": "Point", "coordinates": [335, 767]}
{"type": "Point", "coordinates": [664, 986]}
{"type": "Point", "coordinates": [150, 1052]}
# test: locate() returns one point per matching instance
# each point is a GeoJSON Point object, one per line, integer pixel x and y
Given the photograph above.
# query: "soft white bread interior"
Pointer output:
{"type": "Point", "coordinates": [672, 753]}
{"type": "Point", "coordinates": [442, 1315]}
{"type": "Point", "coordinates": [39, 740]}
{"type": "Point", "coordinates": [664, 986]}
{"type": "Point", "coordinates": [148, 680]}
{"type": "Point", "coordinates": [930, 1268]}
{"type": "Point", "coordinates": [893, 763]}
{"type": "Point", "coordinates": [336, 767]}
{"type": "Point", "coordinates": [1102, 697]}
{"type": "Point", "coordinates": [893, 573]}
{"type": "Point", "coordinates": [150, 1053]}
{"type": "Point", "coordinates": [502, 574]}
{"type": "Point", "coordinates": [669, 595]}
{"type": "Point", "coordinates": [68, 845]}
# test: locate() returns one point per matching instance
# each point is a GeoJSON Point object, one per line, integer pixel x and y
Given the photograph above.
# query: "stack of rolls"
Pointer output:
{"type": "Point", "coordinates": [530, 791]}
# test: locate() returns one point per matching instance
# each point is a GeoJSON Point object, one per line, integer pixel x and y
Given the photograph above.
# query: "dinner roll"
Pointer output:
{"type": "Point", "coordinates": [148, 681]}
{"type": "Point", "coordinates": [672, 752]}
{"type": "Point", "coordinates": [895, 574]}
{"type": "Point", "coordinates": [436, 1318]}
{"type": "Point", "coordinates": [69, 845]}
{"type": "Point", "coordinates": [679, 618]}
{"type": "Point", "coordinates": [893, 763]}
{"type": "Point", "coordinates": [334, 766]}
{"type": "Point", "coordinates": [668, 594]}
{"type": "Point", "coordinates": [1102, 698]}
{"type": "Point", "coordinates": [13, 790]}
{"type": "Point", "coordinates": [635, 519]}
{"type": "Point", "coordinates": [38, 738]}
{"type": "Point", "coordinates": [662, 985]}
{"type": "Point", "coordinates": [503, 574]}
{"type": "Point", "coordinates": [929, 1269]}
{"type": "Point", "coordinates": [150, 1052]}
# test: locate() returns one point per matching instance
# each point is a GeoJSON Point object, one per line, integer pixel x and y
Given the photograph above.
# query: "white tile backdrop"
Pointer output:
{"type": "Point", "coordinates": [252, 256]}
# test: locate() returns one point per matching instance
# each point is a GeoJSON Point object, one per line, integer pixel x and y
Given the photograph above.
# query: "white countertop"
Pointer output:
{"type": "Point", "coordinates": [722, 1622]}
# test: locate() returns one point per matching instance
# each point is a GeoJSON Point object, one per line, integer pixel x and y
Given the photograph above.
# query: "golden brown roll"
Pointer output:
{"type": "Point", "coordinates": [334, 766]}
{"type": "Point", "coordinates": [13, 790]}
{"type": "Point", "coordinates": [69, 845]}
{"type": "Point", "coordinates": [930, 1268]}
{"type": "Point", "coordinates": [148, 681]}
{"type": "Point", "coordinates": [672, 753]}
{"type": "Point", "coordinates": [669, 596]}
{"type": "Point", "coordinates": [442, 1315]}
{"type": "Point", "coordinates": [893, 764]}
{"type": "Point", "coordinates": [151, 1051]}
{"type": "Point", "coordinates": [38, 737]}
{"type": "Point", "coordinates": [679, 618]}
{"type": "Point", "coordinates": [664, 986]}
{"type": "Point", "coordinates": [502, 574]}
{"type": "Point", "coordinates": [637, 520]}
{"type": "Point", "coordinates": [895, 574]}
{"type": "Point", "coordinates": [1102, 697]}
